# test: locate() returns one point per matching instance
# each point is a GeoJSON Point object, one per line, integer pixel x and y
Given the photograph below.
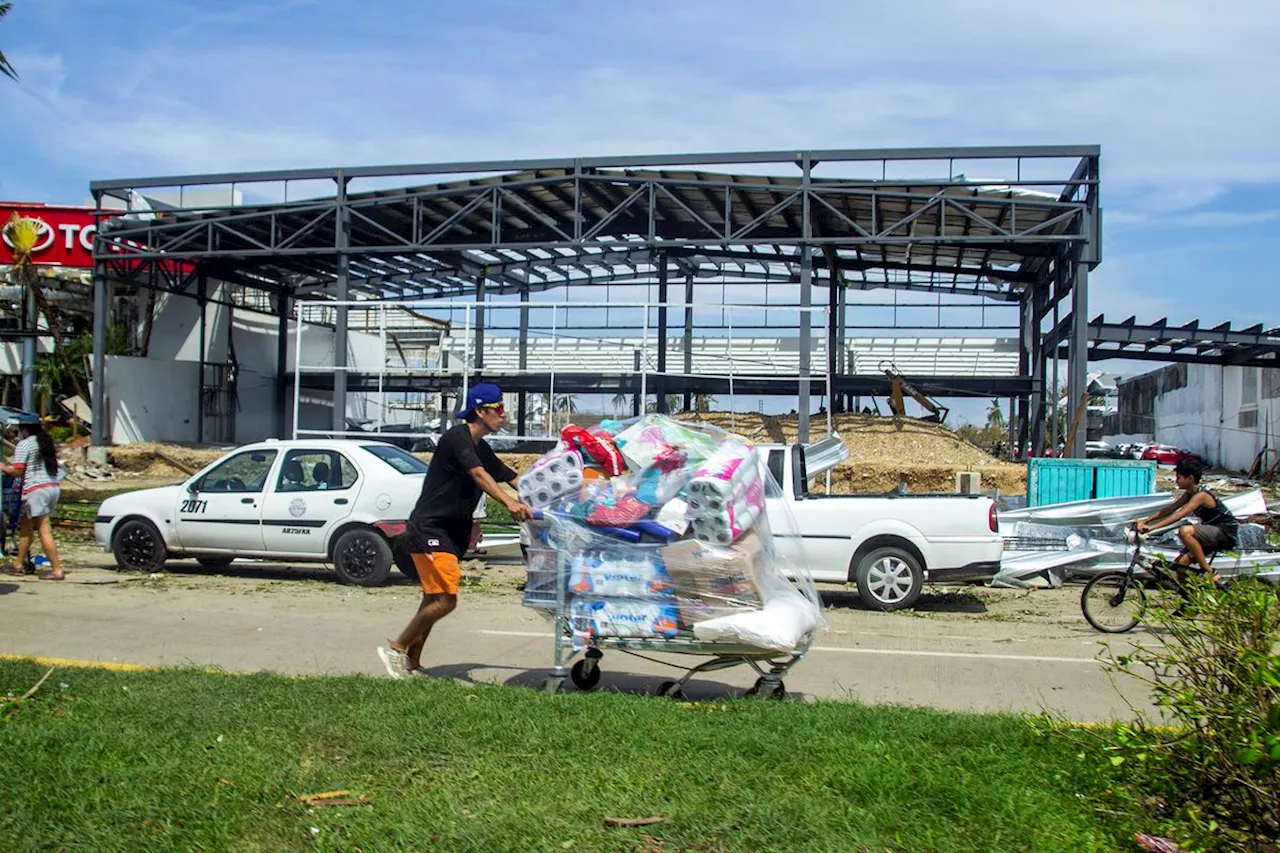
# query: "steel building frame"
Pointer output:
{"type": "Point", "coordinates": [1028, 239]}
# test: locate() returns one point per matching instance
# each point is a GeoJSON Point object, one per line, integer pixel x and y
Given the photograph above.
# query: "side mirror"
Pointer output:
{"type": "Point", "coordinates": [193, 487]}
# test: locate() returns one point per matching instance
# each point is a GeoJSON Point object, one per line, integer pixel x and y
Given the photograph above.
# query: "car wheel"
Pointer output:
{"type": "Point", "coordinates": [362, 557]}
{"type": "Point", "coordinates": [403, 559]}
{"type": "Point", "coordinates": [889, 579]}
{"type": "Point", "coordinates": [214, 562]}
{"type": "Point", "coordinates": [138, 546]}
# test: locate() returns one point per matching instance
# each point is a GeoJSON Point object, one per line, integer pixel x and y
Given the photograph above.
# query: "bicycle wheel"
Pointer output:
{"type": "Point", "coordinates": [1113, 603]}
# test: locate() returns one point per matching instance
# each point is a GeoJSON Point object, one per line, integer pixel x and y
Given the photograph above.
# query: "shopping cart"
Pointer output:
{"type": "Point", "coordinates": [547, 590]}
{"type": "Point", "coordinates": [10, 510]}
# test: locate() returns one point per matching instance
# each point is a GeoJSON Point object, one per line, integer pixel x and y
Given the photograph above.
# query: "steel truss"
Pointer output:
{"type": "Point", "coordinates": [513, 227]}
{"type": "Point", "coordinates": [1159, 341]}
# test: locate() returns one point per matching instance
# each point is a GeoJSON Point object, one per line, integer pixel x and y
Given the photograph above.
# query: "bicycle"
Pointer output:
{"type": "Point", "coordinates": [1115, 602]}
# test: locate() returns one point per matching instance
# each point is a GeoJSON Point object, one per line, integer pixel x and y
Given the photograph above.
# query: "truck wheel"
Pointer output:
{"type": "Point", "coordinates": [403, 559]}
{"type": "Point", "coordinates": [889, 579]}
{"type": "Point", "coordinates": [362, 557]}
{"type": "Point", "coordinates": [138, 546]}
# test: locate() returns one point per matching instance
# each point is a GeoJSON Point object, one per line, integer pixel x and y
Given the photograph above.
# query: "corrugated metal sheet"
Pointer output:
{"type": "Point", "coordinates": [1056, 481]}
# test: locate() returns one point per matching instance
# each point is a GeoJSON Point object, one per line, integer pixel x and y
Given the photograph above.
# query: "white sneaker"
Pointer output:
{"type": "Point", "coordinates": [397, 663]}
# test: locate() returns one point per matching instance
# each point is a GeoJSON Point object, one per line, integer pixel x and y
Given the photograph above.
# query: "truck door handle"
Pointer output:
{"type": "Point", "coordinates": [340, 500]}
{"type": "Point", "coordinates": [246, 500]}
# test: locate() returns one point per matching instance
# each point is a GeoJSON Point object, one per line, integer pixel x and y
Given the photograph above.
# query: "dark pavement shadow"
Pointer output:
{"type": "Point", "coordinates": [930, 601]}
{"type": "Point", "coordinates": [950, 601]}
{"type": "Point", "coordinates": [270, 571]}
{"type": "Point", "coordinates": [6, 588]}
{"type": "Point", "coordinates": [696, 689]}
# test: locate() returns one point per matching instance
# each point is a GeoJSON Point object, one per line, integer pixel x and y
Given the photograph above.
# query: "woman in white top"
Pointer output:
{"type": "Point", "coordinates": [35, 460]}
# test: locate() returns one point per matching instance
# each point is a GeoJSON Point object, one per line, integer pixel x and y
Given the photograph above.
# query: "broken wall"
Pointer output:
{"type": "Point", "coordinates": [1225, 414]}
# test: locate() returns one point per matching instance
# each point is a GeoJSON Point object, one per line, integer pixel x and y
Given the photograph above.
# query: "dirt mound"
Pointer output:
{"type": "Point", "coordinates": [904, 441]}
{"type": "Point", "coordinates": [883, 452]}
{"type": "Point", "coordinates": [157, 460]}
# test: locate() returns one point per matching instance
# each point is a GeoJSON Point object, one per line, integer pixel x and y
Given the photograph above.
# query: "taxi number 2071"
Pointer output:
{"type": "Point", "coordinates": [193, 506]}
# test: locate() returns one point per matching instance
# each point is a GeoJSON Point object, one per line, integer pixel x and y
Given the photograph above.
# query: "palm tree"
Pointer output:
{"type": "Point", "coordinates": [5, 68]}
{"type": "Point", "coordinates": [995, 417]}
{"type": "Point", "coordinates": [621, 400]}
{"type": "Point", "coordinates": [562, 403]}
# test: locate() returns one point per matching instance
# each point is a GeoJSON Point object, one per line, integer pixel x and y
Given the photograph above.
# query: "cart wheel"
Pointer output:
{"type": "Point", "coordinates": [585, 674]}
{"type": "Point", "coordinates": [670, 689]}
{"type": "Point", "coordinates": [767, 689]}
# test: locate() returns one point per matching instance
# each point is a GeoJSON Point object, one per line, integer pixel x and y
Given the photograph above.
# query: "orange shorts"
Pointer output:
{"type": "Point", "coordinates": [438, 573]}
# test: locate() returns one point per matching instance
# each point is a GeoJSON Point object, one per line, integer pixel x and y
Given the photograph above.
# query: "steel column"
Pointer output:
{"type": "Point", "coordinates": [30, 324]}
{"type": "Point", "coordinates": [202, 301]}
{"type": "Point", "coordinates": [688, 336]}
{"type": "Point", "coordinates": [660, 381]}
{"type": "Point", "coordinates": [1025, 325]}
{"type": "Point", "coordinates": [1056, 391]}
{"type": "Point", "coordinates": [843, 308]}
{"type": "Point", "coordinates": [98, 403]}
{"type": "Point", "coordinates": [833, 318]}
{"type": "Point", "coordinates": [282, 364]}
{"type": "Point", "coordinates": [806, 301]}
{"type": "Point", "coordinates": [1078, 357]}
{"type": "Point", "coordinates": [1037, 371]}
{"type": "Point", "coordinates": [522, 401]}
{"type": "Point", "coordinates": [479, 332]}
{"type": "Point", "coordinates": [341, 293]}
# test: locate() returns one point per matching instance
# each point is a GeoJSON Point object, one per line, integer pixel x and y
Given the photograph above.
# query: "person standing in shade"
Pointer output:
{"type": "Point", "coordinates": [35, 460]}
{"type": "Point", "coordinates": [463, 466]}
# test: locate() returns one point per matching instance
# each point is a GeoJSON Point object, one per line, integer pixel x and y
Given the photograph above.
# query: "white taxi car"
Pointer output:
{"type": "Point", "coordinates": [343, 502]}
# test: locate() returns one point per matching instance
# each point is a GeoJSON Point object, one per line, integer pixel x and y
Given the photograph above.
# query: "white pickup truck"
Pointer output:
{"type": "Point", "coordinates": [889, 545]}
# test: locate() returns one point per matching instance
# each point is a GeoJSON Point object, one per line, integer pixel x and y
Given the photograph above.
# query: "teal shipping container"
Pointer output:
{"type": "Point", "coordinates": [1055, 481]}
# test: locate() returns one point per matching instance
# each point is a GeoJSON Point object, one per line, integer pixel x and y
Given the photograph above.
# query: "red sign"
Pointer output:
{"type": "Point", "coordinates": [66, 234]}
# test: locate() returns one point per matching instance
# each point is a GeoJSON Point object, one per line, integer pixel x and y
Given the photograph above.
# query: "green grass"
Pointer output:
{"type": "Point", "coordinates": [184, 760]}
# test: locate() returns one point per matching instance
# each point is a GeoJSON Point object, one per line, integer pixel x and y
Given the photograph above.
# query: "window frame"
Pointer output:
{"type": "Point", "coordinates": [333, 456]}
{"type": "Point", "coordinates": [202, 484]}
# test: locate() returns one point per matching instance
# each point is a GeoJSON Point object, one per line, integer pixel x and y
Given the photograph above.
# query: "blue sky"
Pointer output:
{"type": "Point", "coordinates": [1180, 95]}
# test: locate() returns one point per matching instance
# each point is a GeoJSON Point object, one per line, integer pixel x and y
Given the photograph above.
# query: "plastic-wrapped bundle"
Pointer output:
{"type": "Point", "coordinates": [621, 617]}
{"type": "Point", "coordinates": [642, 441]}
{"type": "Point", "coordinates": [620, 573]}
{"type": "Point", "coordinates": [552, 478]}
{"type": "Point", "coordinates": [679, 540]}
{"type": "Point", "coordinates": [726, 496]}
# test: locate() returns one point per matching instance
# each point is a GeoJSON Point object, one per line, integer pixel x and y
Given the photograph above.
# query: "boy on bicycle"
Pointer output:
{"type": "Point", "coordinates": [1218, 528]}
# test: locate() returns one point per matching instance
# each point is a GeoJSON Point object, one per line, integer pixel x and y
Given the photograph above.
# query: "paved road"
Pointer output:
{"type": "Point", "coordinates": [972, 661]}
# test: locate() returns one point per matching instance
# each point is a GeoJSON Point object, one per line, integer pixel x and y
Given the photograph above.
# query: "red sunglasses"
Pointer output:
{"type": "Point", "coordinates": [497, 407]}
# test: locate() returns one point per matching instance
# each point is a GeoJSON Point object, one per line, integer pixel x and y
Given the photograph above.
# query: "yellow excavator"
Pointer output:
{"type": "Point", "coordinates": [900, 388]}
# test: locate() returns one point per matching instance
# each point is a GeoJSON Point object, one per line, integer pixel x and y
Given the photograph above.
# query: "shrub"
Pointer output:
{"type": "Point", "coordinates": [1211, 768]}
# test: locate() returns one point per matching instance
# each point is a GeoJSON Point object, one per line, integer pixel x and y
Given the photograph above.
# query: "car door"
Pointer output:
{"type": "Point", "coordinates": [222, 510]}
{"type": "Point", "coordinates": [807, 532]}
{"type": "Point", "coordinates": [314, 490]}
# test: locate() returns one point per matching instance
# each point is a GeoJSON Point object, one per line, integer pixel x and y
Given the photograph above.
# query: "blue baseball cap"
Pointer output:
{"type": "Point", "coordinates": [483, 394]}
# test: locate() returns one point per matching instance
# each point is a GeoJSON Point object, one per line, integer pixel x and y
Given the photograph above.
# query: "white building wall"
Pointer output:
{"type": "Point", "coordinates": [157, 398]}
{"type": "Point", "coordinates": [1226, 414]}
{"type": "Point", "coordinates": [151, 399]}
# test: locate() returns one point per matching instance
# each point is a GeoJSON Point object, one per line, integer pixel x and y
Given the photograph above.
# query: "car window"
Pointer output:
{"type": "Point", "coordinates": [776, 463]}
{"type": "Point", "coordinates": [243, 472]}
{"type": "Point", "coordinates": [398, 459]}
{"type": "Point", "coordinates": [307, 470]}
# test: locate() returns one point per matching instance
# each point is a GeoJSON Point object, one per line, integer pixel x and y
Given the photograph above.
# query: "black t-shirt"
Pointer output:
{"type": "Point", "coordinates": [449, 495]}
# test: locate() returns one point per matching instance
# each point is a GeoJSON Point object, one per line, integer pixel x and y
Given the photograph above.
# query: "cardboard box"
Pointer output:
{"type": "Point", "coordinates": [714, 581]}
